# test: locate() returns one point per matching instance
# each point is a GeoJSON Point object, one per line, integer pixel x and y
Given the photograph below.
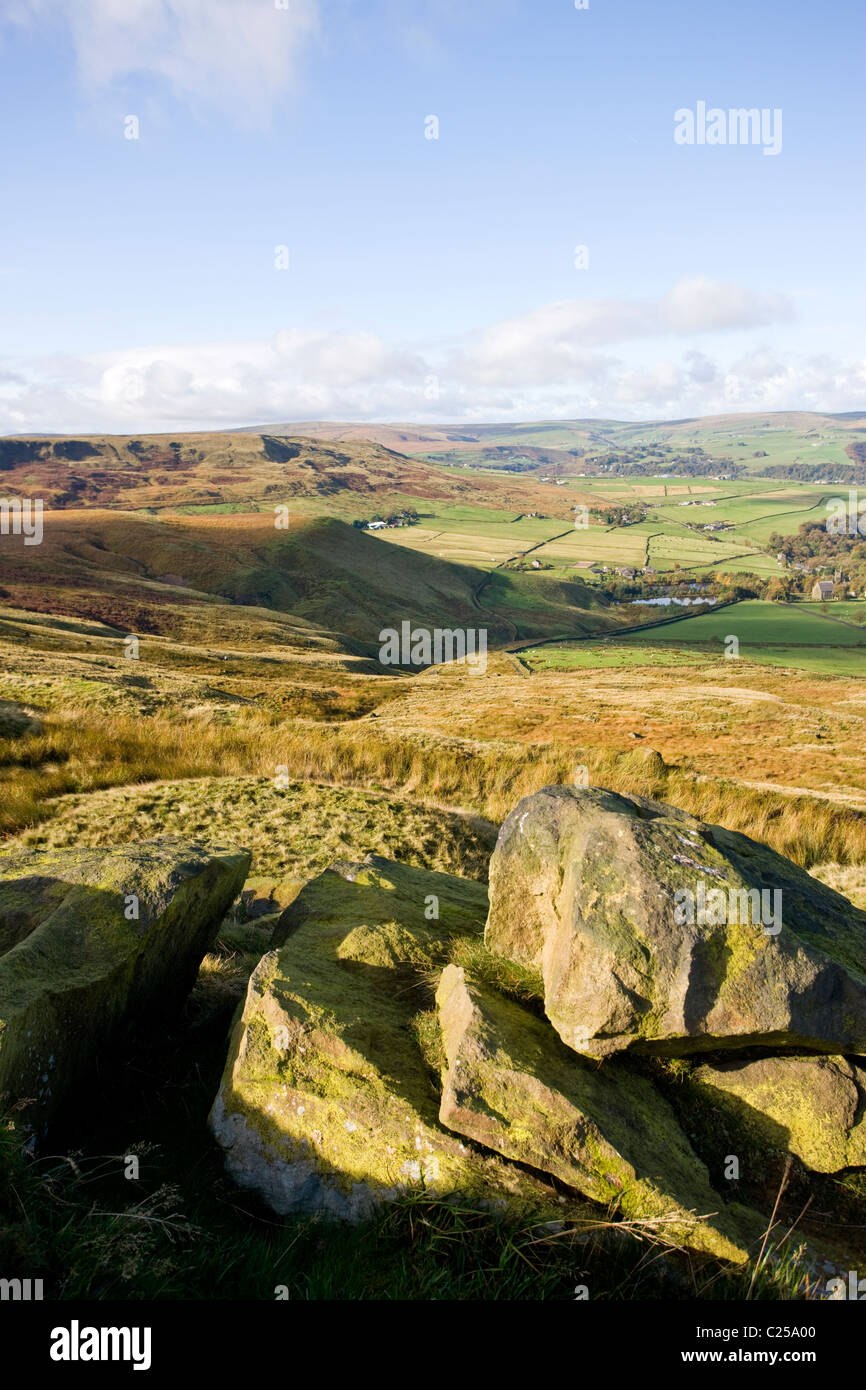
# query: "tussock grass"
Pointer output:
{"type": "Point", "coordinates": [78, 752]}
{"type": "Point", "coordinates": [294, 831]}
{"type": "Point", "coordinates": [183, 1233]}
{"type": "Point", "coordinates": [516, 981]}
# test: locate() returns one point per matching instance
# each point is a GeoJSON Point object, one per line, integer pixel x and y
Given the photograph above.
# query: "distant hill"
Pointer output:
{"type": "Point", "coordinates": [244, 471]}
{"type": "Point", "coordinates": [804, 445]}
{"type": "Point", "coordinates": [356, 470]}
{"type": "Point", "coordinates": [425, 439]}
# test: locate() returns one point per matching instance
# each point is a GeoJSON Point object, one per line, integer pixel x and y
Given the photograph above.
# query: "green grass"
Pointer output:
{"type": "Point", "coordinates": [755, 623]}
{"type": "Point", "coordinates": [850, 610]}
{"type": "Point", "coordinates": [598, 656]}
{"type": "Point", "coordinates": [772, 633]}
{"type": "Point", "coordinates": [831, 661]}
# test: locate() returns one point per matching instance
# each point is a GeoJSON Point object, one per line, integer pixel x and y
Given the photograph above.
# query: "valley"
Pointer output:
{"type": "Point", "coordinates": [194, 651]}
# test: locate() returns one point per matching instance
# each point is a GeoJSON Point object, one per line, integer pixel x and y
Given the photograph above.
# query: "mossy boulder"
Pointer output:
{"type": "Point", "coordinates": [814, 1107]}
{"type": "Point", "coordinates": [328, 1104]}
{"type": "Point", "coordinates": [509, 1083]}
{"type": "Point", "coordinates": [91, 942]}
{"type": "Point", "coordinates": [658, 932]}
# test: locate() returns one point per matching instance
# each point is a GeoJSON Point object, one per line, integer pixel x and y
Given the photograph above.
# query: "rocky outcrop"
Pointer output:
{"type": "Point", "coordinates": [327, 1104]}
{"type": "Point", "coordinates": [645, 931]}
{"type": "Point", "coordinates": [511, 1085]}
{"type": "Point", "coordinates": [91, 942]}
{"type": "Point", "coordinates": [657, 932]}
{"type": "Point", "coordinates": [814, 1107]}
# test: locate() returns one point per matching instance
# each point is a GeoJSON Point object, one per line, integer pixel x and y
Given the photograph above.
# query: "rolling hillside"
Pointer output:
{"type": "Point", "coordinates": [838, 438]}
{"type": "Point", "coordinates": [187, 576]}
{"type": "Point", "coordinates": [240, 472]}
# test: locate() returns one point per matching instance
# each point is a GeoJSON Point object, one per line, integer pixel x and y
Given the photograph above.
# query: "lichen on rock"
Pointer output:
{"type": "Point", "coordinates": [811, 1106]}
{"type": "Point", "coordinates": [590, 887]}
{"type": "Point", "coordinates": [327, 1103]}
{"type": "Point", "coordinates": [509, 1083]}
{"type": "Point", "coordinates": [91, 942]}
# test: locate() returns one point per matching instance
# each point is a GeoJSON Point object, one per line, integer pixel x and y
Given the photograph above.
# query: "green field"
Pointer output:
{"type": "Point", "coordinates": [755, 623]}
{"type": "Point", "coordinates": [769, 633]}
{"type": "Point", "coordinates": [671, 537]}
{"type": "Point", "coordinates": [602, 656]}
{"type": "Point", "coordinates": [851, 610]}
{"type": "Point", "coordinates": [778, 634]}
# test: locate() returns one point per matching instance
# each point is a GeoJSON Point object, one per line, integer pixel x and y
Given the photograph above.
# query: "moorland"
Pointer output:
{"type": "Point", "coordinates": [194, 649]}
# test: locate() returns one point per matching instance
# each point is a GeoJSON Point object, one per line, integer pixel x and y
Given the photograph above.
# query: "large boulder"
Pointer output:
{"type": "Point", "coordinates": [91, 942]}
{"type": "Point", "coordinates": [811, 1106]}
{"type": "Point", "coordinates": [656, 931]}
{"type": "Point", "coordinates": [511, 1085]}
{"type": "Point", "coordinates": [328, 1103]}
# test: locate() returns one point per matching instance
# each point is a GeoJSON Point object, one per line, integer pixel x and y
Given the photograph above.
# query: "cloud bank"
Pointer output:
{"type": "Point", "coordinates": [558, 361]}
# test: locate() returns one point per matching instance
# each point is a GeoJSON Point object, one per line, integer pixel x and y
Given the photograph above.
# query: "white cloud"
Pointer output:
{"type": "Point", "coordinates": [238, 54]}
{"type": "Point", "coordinates": [548, 363]}
{"type": "Point", "coordinates": [697, 304]}
{"type": "Point", "coordinates": [560, 339]}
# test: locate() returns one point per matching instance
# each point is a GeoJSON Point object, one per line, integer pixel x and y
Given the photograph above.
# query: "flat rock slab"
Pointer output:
{"type": "Point", "coordinates": [814, 1107]}
{"type": "Point", "coordinates": [510, 1084]}
{"type": "Point", "coordinates": [657, 932]}
{"type": "Point", "coordinates": [92, 941]}
{"type": "Point", "coordinates": [327, 1104]}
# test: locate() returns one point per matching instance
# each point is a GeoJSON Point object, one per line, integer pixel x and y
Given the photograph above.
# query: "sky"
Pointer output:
{"type": "Point", "coordinates": [232, 212]}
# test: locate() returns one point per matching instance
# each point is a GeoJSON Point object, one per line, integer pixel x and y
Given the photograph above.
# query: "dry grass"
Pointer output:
{"type": "Point", "coordinates": [294, 831]}
{"type": "Point", "coordinates": [87, 751]}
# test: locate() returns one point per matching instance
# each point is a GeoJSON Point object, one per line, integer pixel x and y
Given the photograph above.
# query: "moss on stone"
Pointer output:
{"type": "Point", "coordinates": [606, 895]}
{"type": "Point", "coordinates": [91, 941]}
{"type": "Point", "coordinates": [510, 1084]}
{"type": "Point", "coordinates": [326, 1103]}
{"type": "Point", "coordinates": [809, 1106]}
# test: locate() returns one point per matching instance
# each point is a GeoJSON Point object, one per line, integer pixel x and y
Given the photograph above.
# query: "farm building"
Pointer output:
{"type": "Point", "coordinates": [822, 588]}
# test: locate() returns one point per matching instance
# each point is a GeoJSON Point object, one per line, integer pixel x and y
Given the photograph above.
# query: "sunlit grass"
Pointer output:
{"type": "Point", "coordinates": [84, 751]}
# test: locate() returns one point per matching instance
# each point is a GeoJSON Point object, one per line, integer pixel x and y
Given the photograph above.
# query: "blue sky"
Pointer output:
{"type": "Point", "coordinates": [428, 279]}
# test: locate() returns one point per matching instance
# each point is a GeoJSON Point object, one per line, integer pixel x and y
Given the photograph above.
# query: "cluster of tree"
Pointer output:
{"type": "Point", "coordinates": [818, 543]}
{"type": "Point", "coordinates": [673, 584]}
{"type": "Point", "coordinates": [619, 513]}
{"type": "Point", "coordinates": [648, 460]}
{"type": "Point", "coordinates": [845, 474]}
{"type": "Point", "coordinates": [727, 588]}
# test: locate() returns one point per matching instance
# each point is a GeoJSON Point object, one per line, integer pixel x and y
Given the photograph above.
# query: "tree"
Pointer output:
{"type": "Point", "coordinates": [781, 589]}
